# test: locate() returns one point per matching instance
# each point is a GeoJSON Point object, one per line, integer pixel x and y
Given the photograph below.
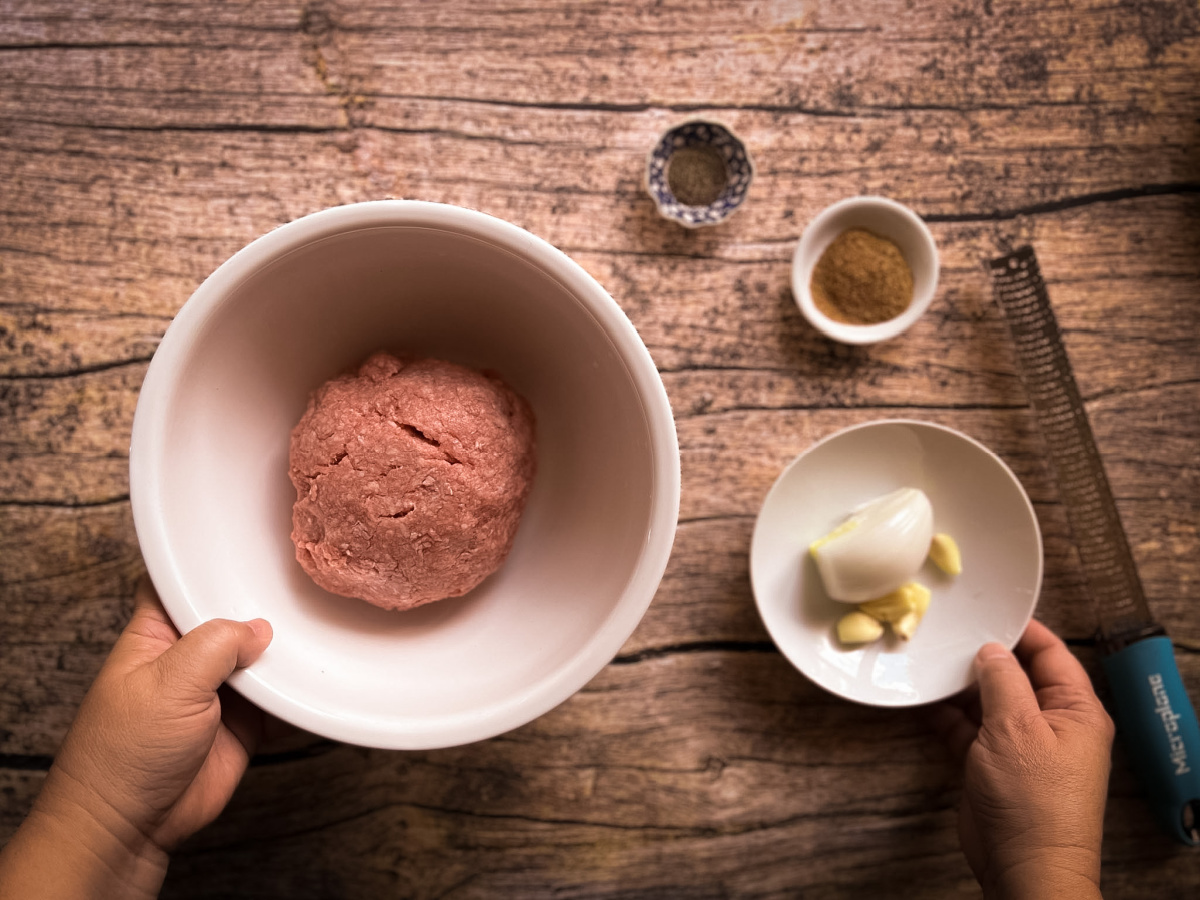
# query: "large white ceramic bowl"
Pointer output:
{"type": "Point", "coordinates": [976, 499]}
{"type": "Point", "coordinates": [212, 500]}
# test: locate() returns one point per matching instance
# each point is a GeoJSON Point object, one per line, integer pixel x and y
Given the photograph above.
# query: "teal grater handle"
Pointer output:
{"type": "Point", "coordinates": [1158, 726]}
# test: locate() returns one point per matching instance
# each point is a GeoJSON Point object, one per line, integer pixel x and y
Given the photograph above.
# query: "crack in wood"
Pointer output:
{"type": "Point", "coordinates": [26, 762]}
{"type": "Point", "coordinates": [724, 517]}
{"type": "Point", "coordinates": [694, 647]}
{"type": "Point", "coordinates": [206, 128]}
{"type": "Point", "coordinates": [1120, 391]}
{"type": "Point", "coordinates": [75, 373]}
{"type": "Point", "coordinates": [317, 24]}
{"type": "Point", "coordinates": [823, 407]}
{"type": "Point", "coordinates": [1105, 394]}
{"type": "Point", "coordinates": [41, 762]}
{"type": "Point", "coordinates": [319, 748]}
{"type": "Point", "coordinates": [33, 309]}
{"type": "Point", "coordinates": [67, 504]}
{"type": "Point", "coordinates": [118, 45]}
{"type": "Point", "coordinates": [1181, 188]}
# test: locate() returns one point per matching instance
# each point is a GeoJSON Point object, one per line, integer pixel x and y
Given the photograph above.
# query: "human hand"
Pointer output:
{"type": "Point", "coordinates": [154, 754]}
{"type": "Point", "coordinates": [1035, 743]}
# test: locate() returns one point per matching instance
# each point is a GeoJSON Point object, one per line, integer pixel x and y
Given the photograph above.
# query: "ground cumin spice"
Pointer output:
{"type": "Point", "coordinates": [697, 175]}
{"type": "Point", "coordinates": [862, 279]}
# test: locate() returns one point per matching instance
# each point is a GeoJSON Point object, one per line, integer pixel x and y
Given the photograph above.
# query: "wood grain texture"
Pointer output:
{"type": "Point", "coordinates": [141, 144]}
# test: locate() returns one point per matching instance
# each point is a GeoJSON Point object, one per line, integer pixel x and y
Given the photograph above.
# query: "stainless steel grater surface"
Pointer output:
{"type": "Point", "coordinates": [1104, 552]}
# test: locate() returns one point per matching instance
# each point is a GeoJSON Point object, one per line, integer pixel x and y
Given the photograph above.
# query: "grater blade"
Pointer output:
{"type": "Point", "coordinates": [1104, 553]}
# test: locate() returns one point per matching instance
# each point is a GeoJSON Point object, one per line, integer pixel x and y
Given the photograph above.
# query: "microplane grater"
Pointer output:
{"type": "Point", "coordinates": [1151, 706]}
{"type": "Point", "coordinates": [1046, 371]}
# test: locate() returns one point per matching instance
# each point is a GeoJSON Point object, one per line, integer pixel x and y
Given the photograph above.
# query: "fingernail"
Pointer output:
{"type": "Point", "coordinates": [992, 651]}
{"type": "Point", "coordinates": [261, 628]}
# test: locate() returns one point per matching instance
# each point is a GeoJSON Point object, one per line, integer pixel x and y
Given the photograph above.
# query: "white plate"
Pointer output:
{"type": "Point", "coordinates": [976, 499]}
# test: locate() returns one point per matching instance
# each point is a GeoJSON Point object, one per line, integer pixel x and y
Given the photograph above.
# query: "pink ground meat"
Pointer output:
{"type": "Point", "coordinates": [410, 477]}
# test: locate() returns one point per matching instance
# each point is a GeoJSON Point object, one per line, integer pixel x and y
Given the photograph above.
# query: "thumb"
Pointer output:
{"type": "Point", "coordinates": [1005, 694]}
{"type": "Point", "coordinates": [207, 655]}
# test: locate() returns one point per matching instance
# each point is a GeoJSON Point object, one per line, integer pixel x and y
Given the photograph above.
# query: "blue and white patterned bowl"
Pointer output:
{"type": "Point", "coordinates": [699, 133]}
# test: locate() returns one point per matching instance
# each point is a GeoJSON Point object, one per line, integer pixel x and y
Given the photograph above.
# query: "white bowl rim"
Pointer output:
{"type": "Point", "coordinates": [146, 452]}
{"type": "Point", "coordinates": [845, 332]}
{"type": "Point", "coordinates": [789, 652]}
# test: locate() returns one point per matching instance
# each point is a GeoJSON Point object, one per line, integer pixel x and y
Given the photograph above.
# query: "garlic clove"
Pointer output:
{"type": "Point", "coordinates": [945, 554]}
{"type": "Point", "coordinates": [908, 598]}
{"type": "Point", "coordinates": [906, 625]}
{"type": "Point", "coordinates": [858, 628]}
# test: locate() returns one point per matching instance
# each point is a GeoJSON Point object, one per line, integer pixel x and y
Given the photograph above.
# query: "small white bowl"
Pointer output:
{"type": "Point", "coordinates": [883, 217]}
{"type": "Point", "coordinates": [212, 501]}
{"type": "Point", "coordinates": [976, 500]}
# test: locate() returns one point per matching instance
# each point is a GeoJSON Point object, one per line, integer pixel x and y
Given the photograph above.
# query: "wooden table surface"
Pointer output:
{"type": "Point", "coordinates": [142, 143]}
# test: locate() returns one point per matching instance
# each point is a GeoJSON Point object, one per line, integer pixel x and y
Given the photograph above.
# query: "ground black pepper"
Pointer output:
{"type": "Point", "coordinates": [697, 175]}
